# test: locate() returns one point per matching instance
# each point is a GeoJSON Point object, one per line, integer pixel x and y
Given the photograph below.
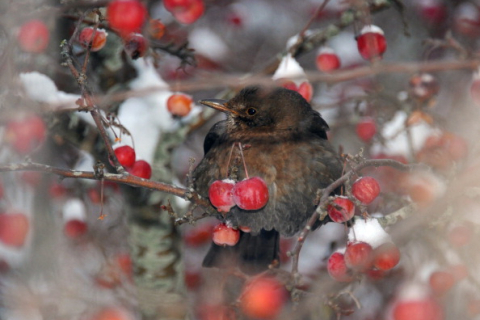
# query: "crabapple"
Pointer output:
{"type": "Point", "coordinates": [418, 309]}
{"type": "Point", "coordinates": [125, 155]}
{"type": "Point", "coordinates": [366, 129]}
{"type": "Point", "coordinates": [141, 168]}
{"type": "Point", "coordinates": [358, 256]}
{"type": "Point", "coordinates": [198, 235]}
{"type": "Point", "coordinates": [99, 39]}
{"type": "Point", "coordinates": [327, 60]}
{"type": "Point", "coordinates": [366, 189]}
{"type": "Point", "coordinates": [337, 268]}
{"type": "Point", "coordinates": [156, 29]}
{"type": "Point", "coordinates": [179, 104]}
{"type": "Point", "coordinates": [371, 42]}
{"type": "Point", "coordinates": [342, 209]}
{"type": "Point", "coordinates": [14, 228]}
{"type": "Point", "coordinates": [126, 16]}
{"type": "Point", "coordinates": [251, 194]}
{"type": "Point", "coordinates": [220, 194]}
{"type": "Point", "coordinates": [263, 298]}
{"type": "Point", "coordinates": [75, 228]}
{"type": "Point", "coordinates": [26, 134]}
{"type": "Point", "coordinates": [386, 256]}
{"type": "Point", "coordinates": [185, 11]}
{"type": "Point", "coordinates": [135, 45]}
{"type": "Point", "coordinates": [33, 36]}
{"type": "Point", "coordinates": [224, 235]}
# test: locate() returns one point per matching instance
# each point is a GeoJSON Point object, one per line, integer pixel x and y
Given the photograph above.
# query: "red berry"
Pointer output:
{"type": "Point", "coordinates": [192, 279]}
{"type": "Point", "coordinates": [366, 189]}
{"type": "Point", "coordinates": [198, 235]}
{"type": "Point", "coordinates": [423, 86]}
{"type": "Point", "coordinates": [358, 256]}
{"type": "Point", "coordinates": [434, 12]}
{"type": "Point", "coordinates": [126, 16]}
{"type": "Point", "coordinates": [192, 14]}
{"type": "Point", "coordinates": [251, 194]}
{"type": "Point", "coordinates": [174, 6]}
{"type": "Point", "coordinates": [75, 228]}
{"type": "Point", "coordinates": [26, 134]}
{"type": "Point", "coordinates": [141, 169]}
{"type": "Point", "coordinates": [179, 104]}
{"type": "Point", "coordinates": [156, 29]}
{"type": "Point", "coordinates": [371, 42]}
{"type": "Point", "coordinates": [185, 11]}
{"type": "Point", "coordinates": [220, 194]}
{"type": "Point", "coordinates": [306, 90]}
{"type": "Point", "coordinates": [386, 256]}
{"type": "Point", "coordinates": [342, 209]}
{"type": "Point", "coordinates": [441, 281]}
{"type": "Point", "coordinates": [327, 60]}
{"type": "Point", "coordinates": [111, 313]}
{"type": "Point", "coordinates": [337, 268]}
{"type": "Point", "coordinates": [14, 228]}
{"type": "Point", "coordinates": [224, 235]}
{"type": "Point", "coordinates": [57, 190]}
{"type": "Point", "coordinates": [263, 298]}
{"type": "Point", "coordinates": [366, 129]}
{"type": "Point", "coordinates": [125, 155]}
{"type": "Point", "coordinates": [135, 45]}
{"type": "Point", "coordinates": [288, 84]}
{"type": "Point", "coordinates": [98, 42]}
{"type": "Point", "coordinates": [33, 36]}
{"type": "Point", "coordinates": [466, 19]}
{"type": "Point", "coordinates": [422, 309]}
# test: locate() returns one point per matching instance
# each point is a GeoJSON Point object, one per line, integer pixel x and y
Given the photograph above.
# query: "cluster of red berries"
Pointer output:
{"type": "Point", "coordinates": [360, 257]}
{"type": "Point", "coordinates": [365, 190]}
{"type": "Point", "coordinates": [248, 194]}
{"type": "Point", "coordinates": [140, 168]}
{"type": "Point", "coordinates": [95, 38]}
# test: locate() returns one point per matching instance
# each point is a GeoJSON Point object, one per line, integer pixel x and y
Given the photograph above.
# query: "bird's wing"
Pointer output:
{"type": "Point", "coordinates": [212, 136]}
{"type": "Point", "coordinates": [317, 125]}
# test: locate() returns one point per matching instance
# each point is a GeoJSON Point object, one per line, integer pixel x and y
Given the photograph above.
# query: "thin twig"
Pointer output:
{"type": "Point", "coordinates": [337, 183]}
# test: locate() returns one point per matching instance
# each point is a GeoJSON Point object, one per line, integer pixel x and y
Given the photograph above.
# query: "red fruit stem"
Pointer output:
{"type": "Point", "coordinates": [243, 159]}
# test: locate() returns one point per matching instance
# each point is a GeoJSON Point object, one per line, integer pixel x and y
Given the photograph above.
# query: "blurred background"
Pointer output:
{"type": "Point", "coordinates": [393, 79]}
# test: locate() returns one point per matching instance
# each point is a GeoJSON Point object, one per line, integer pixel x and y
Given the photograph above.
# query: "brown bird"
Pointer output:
{"type": "Point", "coordinates": [285, 143]}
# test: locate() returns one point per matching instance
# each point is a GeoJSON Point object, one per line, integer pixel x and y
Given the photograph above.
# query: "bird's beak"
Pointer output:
{"type": "Point", "coordinates": [218, 104]}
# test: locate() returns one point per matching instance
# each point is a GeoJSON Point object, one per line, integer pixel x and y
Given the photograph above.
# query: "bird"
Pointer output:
{"type": "Point", "coordinates": [276, 135]}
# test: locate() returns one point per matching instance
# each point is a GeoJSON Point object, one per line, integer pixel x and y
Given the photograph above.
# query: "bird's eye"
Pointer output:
{"type": "Point", "coordinates": [251, 111]}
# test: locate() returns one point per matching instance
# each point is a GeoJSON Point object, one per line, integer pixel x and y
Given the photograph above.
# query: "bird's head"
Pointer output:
{"type": "Point", "coordinates": [259, 109]}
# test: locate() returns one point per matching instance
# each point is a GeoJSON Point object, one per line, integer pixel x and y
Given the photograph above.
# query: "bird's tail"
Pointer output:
{"type": "Point", "coordinates": [252, 254]}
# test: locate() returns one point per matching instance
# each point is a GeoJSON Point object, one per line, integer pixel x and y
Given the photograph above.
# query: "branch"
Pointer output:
{"type": "Point", "coordinates": [325, 193]}
{"type": "Point", "coordinates": [124, 178]}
